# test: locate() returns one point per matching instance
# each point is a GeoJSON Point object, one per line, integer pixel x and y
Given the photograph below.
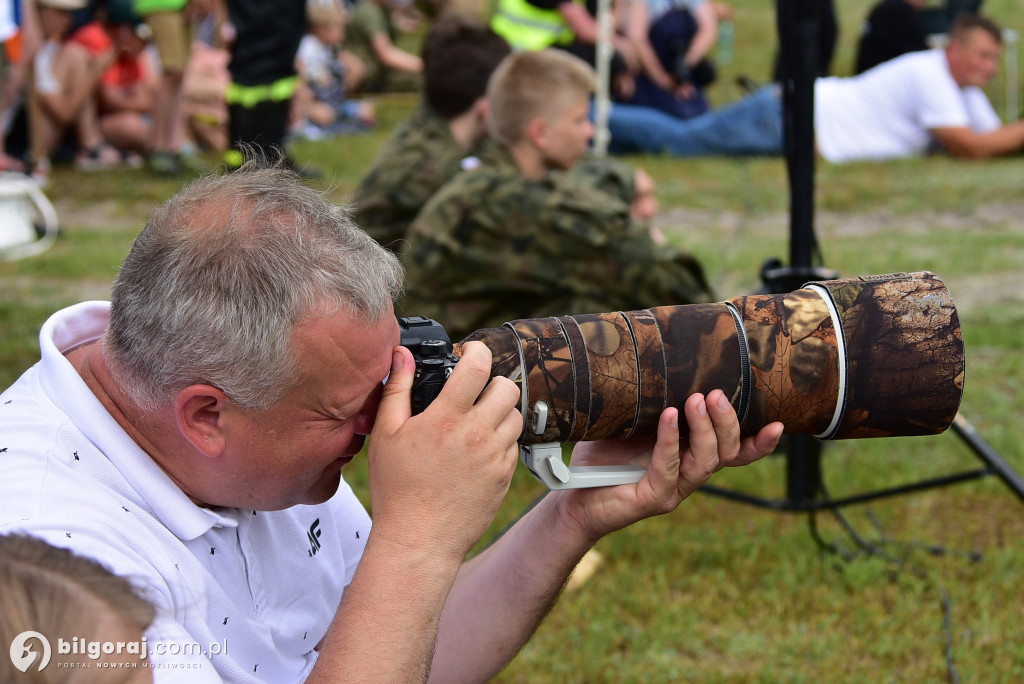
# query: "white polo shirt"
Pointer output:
{"type": "Point", "coordinates": [888, 111]}
{"type": "Point", "coordinates": [242, 595]}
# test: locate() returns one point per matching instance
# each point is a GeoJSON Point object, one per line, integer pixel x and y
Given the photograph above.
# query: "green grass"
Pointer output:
{"type": "Point", "coordinates": [719, 591]}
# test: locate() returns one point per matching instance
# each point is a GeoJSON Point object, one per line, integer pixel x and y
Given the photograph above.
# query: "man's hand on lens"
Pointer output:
{"type": "Point", "coordinates": [675, 468]}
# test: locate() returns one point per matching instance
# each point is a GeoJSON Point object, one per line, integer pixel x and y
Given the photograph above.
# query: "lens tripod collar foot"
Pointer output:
{"type": "Point", "coordinates": [545, 462]}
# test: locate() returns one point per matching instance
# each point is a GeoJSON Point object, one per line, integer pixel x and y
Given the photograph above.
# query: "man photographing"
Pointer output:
{"type": "Point", "coordinates": [190, 435]}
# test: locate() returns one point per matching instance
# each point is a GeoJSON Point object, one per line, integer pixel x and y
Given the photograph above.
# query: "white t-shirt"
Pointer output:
{"type": "Point", "coordinates": [241, 595]}
{"type": "Point", "coordinates": [8, 24]}
{"type": "Point", "coordinates": [45, 80]}
{"type": "Point", "coordinates": [318, 60]}
{"type": "Point", "coordinates": [887, 112]}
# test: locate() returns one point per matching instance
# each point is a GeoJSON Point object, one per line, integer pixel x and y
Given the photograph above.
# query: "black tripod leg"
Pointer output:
{"type": "Point", "coordinates": [986, 453]}
{"type": "Point", "coordinates": [803, 473]}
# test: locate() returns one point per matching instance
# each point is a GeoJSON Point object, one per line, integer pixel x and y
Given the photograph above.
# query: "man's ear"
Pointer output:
{"type": "Point", "coordinates": [201, 412]}
{"type": "Point", "coordinates": [538, 132]}
{"type": "Point", "coordinates": [482, 107]}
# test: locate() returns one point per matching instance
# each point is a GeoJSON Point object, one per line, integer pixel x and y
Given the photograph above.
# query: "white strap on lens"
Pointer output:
{"type": "Point", "coordinates": [837, 324]}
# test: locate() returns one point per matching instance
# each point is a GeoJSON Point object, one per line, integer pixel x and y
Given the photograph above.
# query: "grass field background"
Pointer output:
{"type": "Point", "coordinates": [720, 591]}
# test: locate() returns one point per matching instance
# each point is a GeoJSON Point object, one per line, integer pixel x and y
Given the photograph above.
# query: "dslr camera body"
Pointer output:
{"type": "Point", "coordinates": [432, 351]}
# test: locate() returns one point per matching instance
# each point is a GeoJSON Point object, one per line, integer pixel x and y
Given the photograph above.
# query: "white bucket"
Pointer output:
{"type": "Point", "coordinates": [23, 206]}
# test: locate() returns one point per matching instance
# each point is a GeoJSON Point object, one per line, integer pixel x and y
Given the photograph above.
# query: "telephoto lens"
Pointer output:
{"type": "Point", "coordinates": [874, 356]}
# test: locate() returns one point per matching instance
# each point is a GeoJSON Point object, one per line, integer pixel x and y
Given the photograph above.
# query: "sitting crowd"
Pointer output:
{"type": "Point", "coordinates": [109, 83]}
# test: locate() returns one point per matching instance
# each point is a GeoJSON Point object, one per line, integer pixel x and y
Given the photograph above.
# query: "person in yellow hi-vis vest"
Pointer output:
{"type": "Point", "coordinates": [527, 26]}
{"type": "Point", "coordinates": [569, 25]}
{"type": "Point", "coordinates": [263, 77]}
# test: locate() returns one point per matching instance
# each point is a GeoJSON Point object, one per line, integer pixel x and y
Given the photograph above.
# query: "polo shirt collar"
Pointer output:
{"type": "Point", "coordinates": [84, 323]}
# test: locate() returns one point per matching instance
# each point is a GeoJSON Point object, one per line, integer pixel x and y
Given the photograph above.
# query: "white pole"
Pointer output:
{"type": "Point", "coordinates": [602, 97]}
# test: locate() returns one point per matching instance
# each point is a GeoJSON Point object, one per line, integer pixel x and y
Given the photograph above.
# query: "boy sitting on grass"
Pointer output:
{"type": "Point", "coordinates": [327, 73]}
{"type": "Point", "coordinates": [519, 236]}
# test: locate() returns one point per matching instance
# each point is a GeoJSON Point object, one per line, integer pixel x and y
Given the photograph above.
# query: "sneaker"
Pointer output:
{"type": "Point", "coordinates": [97, 158]}
{"type": "Point", "coordinates": [132, 160]}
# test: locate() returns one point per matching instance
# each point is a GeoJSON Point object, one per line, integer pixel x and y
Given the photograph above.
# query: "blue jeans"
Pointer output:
{"type": "Point", "coordinates": [748, 127]}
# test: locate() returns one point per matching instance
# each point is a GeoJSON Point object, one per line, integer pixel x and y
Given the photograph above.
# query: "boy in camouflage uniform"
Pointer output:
{"type": "Point", "coordinates": [428, 149]}
{"type": "Point", "coordinates": [521, 237]}
{"type": "Point", "coordinates": [448, 132]}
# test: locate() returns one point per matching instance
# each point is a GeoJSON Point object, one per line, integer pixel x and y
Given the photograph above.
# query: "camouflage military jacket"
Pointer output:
{"type": "Point", "coordinates": [608, 175]}
{"type": "Point", "coordinates": [419, 157]}
{"type": "Point", "coordinates": [493, 246]}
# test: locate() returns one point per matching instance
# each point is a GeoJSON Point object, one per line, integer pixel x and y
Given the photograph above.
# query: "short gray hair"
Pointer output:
{"type": "Point", "coordinates": [218, 279]}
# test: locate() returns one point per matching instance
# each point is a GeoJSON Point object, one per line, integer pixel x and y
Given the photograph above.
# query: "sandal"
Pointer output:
{"type": "Point", "coordinates": [102, 156]}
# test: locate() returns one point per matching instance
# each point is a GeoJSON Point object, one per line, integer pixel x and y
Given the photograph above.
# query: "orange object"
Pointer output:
{"type": "Point", "coordinates": [13, 48]}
